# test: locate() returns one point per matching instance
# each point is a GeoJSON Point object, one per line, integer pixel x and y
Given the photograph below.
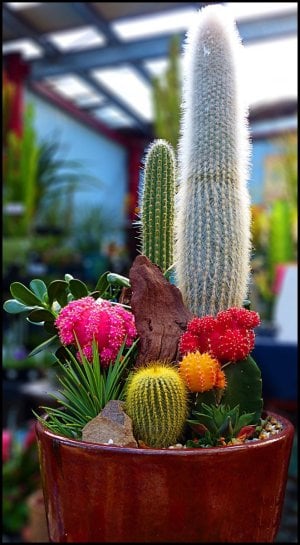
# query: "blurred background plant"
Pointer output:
{"type": "Point", "coordinates": [274, 230]}
{"type": "Point", "coordinates": [166, 96]}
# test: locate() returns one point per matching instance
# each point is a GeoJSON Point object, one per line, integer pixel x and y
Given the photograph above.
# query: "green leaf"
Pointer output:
{"type": "Point", "coordinates": [50, 327]}
{"type": "Point", "coordinates": [102, 283]}
{"type": "Point", "coordinates": [57, 291]}
{"type": "Point", "coordinates": [39, 288]}
{"type": "Point", "coordinates": [245, 420]}
{"type": "Point", "coordinates": [208, 398]}
{"type": "Point", "coordinates": [41, 315]}
{"type": "Point", "coordinates": [95, 294]}
{"type": "Point", "coordinates": [42, 346]}
{"type": "Point", "coordinates": [24, 295]}
{"type": "Point", "coordinates": [78, 288]}
{"type": "Point", "coordinates": [15, 307]}
{"type": "Point", "coordinates": [118, 279]}
{"type": "Point", "coordinates": [68, 277]}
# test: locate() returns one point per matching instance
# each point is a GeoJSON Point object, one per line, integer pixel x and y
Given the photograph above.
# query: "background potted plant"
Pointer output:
{"type": "Point", "coordinates": [159, 434]}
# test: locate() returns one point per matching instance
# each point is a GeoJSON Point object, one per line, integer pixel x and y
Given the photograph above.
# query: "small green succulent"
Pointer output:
{"type": "Point", "coordinates": [218, 423]}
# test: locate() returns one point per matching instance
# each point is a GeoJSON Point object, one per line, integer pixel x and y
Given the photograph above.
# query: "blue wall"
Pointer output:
{"type": "Point", "coordinates": [260, 149]}
{"type": "Point", "coordinates": [99, 156]}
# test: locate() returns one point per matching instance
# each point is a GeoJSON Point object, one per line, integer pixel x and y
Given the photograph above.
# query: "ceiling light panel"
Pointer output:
{"type": "Point", "coordinates": [27, 48]}
{"type": "Point", "coordinates": [126, 84]}
{"type": "Point", "coordinates": [22, 5]}
{"type": "Point", "coordinates": [247, 10]}
{"type": "Point", "coordinates": [153, 25]}
{"type": "Point", "coordinates": [73, 87]}
{"type": "Point", "coordinates": [113, 117]}
{"type": "Point", "coordinates": [83, 38]}
{"type": "Point", "coordinates": [269, 71]}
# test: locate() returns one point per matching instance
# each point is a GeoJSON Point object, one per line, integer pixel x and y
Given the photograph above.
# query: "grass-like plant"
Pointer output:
{"type": "Point", "coordinates": [86, 389]}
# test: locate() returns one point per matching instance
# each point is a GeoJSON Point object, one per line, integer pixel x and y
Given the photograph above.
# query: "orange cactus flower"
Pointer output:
{"type": "Point", "coordinates": [201, 372]}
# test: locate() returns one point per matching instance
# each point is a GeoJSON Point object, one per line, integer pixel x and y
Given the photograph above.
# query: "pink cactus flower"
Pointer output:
{"type": "Point", "coordinates": [108, 324]}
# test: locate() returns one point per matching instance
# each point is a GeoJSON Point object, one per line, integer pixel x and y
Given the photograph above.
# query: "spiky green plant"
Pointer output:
{"type": "Point", "coordinates": [156, 401]}
{"type": "Point", "coordinates": [157, 204]}
{"type": "Point", "coordinates": [213, 216]}
{"type": "Point", "coordinates": [219, 422]}
{"type": "Point", "coordinates": [86, 389]}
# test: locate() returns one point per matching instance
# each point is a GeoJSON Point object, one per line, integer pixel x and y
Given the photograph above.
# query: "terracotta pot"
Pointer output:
{"type": "Point", "coordinates": [97, 493]}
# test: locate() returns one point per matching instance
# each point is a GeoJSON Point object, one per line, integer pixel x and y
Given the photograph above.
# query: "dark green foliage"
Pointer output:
{"type": "Point", "coordinates": [42, 304]}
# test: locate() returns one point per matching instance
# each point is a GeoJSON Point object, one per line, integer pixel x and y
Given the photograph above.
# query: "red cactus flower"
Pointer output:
{"type": "Point", "coordinates": [188, 343]}
{"type": "Point", "coordinates": [238, 317]}
{"type": "Point", "coordinates": [228, 337]}
{"type": "Point", "coordinates": [233, 345]}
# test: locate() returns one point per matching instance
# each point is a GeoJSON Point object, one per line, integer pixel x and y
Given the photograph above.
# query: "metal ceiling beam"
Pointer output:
{"type": "Point", "coordinates": [92, 17]}
{"type": "Point", "coordinates": [25, 29]}
{"type": "Point", "coordinates": [264, 28]}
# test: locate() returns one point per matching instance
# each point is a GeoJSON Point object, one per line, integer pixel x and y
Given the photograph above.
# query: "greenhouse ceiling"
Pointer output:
{"type": "Point", "coordinates": [101, 56]}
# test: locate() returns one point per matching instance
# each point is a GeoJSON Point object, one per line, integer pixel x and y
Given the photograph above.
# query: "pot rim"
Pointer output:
{"type": "Point", "coordinates": [288, 429]}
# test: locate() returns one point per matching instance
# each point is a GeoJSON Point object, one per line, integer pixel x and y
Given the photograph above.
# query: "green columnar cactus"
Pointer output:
{"type": "Point", "coordinates": [157, 204]}
{"type": "Point", "coordinates": [212, 251]}
{"type": "Point", "coordinates": [156, 401]}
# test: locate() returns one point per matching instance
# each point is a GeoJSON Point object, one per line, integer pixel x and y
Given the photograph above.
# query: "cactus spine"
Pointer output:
{"type": "Point", "coordinates": [157, 204]}
{"type": "Point", "coordinates": [156, 401]}
{"type": "Point", "coordinates": [212, 252]}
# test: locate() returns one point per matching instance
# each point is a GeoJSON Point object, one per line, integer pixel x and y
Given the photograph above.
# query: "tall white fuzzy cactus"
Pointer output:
{"type": "Point", "coordinates": [212, 250]}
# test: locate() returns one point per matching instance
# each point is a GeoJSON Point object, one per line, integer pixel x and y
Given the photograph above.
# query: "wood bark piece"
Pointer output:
{"type": "Point", "coordinates": [160, 315]}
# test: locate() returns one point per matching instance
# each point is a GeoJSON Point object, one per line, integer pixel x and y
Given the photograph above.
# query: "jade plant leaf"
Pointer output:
{"type": "Point", "coordinates": [57, 291]}
{"type": "Point", "coordinates": [78, 288]}
{"type": "Point", "coordinates": [24, 295]}
{"type": "Point", "coordinates": [118, 280]}
{"type": "Point", "coordinates": [39, 288]}
{"type": "Point", "coordinates": [102, 283]}
{"type": "Point", "coordinates": [16, 307]}
{"type": "Point", "coordinates": [41, 315]}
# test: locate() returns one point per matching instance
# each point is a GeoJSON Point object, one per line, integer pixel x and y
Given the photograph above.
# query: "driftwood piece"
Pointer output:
{"type": "Point", "coordinates": [160, 315]}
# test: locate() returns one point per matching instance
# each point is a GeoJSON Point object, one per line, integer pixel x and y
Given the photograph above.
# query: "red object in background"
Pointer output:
{"type": "Point", "coordinates": [104, 494]}
{"type": "Point", "coordinates": [280, 272]}
{"type": "Point", "coordinates": [16, 70]}
{"type": "Point", "coordinates": [135, 154]}
{"type": "Point", "coordinates": [6, 444]}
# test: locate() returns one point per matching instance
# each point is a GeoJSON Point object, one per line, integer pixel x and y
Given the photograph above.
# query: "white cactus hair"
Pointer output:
{"type": "Point", "coordinates": [214, 146]}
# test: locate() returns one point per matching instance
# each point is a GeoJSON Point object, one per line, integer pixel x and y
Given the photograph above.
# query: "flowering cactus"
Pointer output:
{"type": "Point", "coordinates": [88, 319]}
{"type": "Point", "coordinates": [228, 337]}
{"type": "Point", "coordinates": [201, 372]}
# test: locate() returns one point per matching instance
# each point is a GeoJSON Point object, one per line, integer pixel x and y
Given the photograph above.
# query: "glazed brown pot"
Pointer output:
{"type": "Point", "coordinates": [97, 493]}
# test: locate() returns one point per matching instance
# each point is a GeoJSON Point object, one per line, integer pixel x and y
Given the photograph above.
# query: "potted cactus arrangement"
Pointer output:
{"type": "Point", "coordinates": [160, 433]}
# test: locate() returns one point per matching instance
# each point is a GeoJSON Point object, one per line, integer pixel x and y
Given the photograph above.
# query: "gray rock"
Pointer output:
{"type": "Point", "coordinates": [111, 427]}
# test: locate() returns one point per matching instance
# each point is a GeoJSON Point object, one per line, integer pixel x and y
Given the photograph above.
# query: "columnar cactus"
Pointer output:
{"type": "Point", "coordinates": [156, 401]}
{"type": "Point", "coordinates": [157, 204]}
{"type": "Point", "coordinates": [212, 251]}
